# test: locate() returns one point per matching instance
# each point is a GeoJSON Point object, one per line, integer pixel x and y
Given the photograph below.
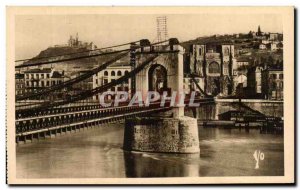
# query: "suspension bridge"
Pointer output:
{"type": "Point", "coordinates": [50, 118]}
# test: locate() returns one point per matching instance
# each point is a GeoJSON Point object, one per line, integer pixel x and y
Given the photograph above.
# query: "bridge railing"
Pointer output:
{"type": "Point", "coordinates": [44, 122]}
{"type": "Point", "coordinates": [36, 113]}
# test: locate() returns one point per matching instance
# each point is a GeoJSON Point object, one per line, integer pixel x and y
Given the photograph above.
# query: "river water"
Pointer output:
{"type": "Point", "coordinates": [97, 153]}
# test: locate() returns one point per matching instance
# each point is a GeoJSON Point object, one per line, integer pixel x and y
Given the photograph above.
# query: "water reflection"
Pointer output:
{"type": "Point", "coordinates": [138, 164]}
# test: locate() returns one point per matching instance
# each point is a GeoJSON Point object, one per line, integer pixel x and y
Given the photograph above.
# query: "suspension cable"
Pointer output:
{"type": "Point", "coordinates": [74, 80]}
{"type": "Point", "coordinates": [70, 59]}
{"type": "Point", "coordinates": [100, 89]}
{"type": "Point", "coordinates": [201, 90]}
{"type": "Point", "coordinates": [79, 78]}
{"type": "Point", "coordinates": [80, 57]}
{"type": "Point", "coordinates": [87, 51]}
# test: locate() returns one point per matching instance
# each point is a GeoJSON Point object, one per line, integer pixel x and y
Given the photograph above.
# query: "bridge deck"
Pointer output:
{"type": "Point", "coordinates": [43, 132]}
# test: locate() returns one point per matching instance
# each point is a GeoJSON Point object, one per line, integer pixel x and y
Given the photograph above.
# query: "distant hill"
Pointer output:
{"type": "Point", "coordinates": [59, 52]}
{"type": "Point", "coordinates": [55, 51]}
{"type": "Point", "coordinates": [209, 40]}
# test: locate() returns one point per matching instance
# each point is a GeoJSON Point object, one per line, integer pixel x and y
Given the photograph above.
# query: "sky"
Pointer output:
{"type": "Point", "coordinates": [34, 33]}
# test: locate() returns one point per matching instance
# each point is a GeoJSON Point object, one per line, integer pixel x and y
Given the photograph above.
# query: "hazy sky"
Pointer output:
{"type": "Point", "coordinates": [36, 33]}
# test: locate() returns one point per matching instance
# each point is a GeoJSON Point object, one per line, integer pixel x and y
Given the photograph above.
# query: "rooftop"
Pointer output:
{"type": "Point", "coordinates": [56, 74]}
{"type": "Point", "coordinates": [121, 63]}
{"type": "Point", "coordinates": [44, 70]}
{"type": "Point", "coordinates": [275, 68]}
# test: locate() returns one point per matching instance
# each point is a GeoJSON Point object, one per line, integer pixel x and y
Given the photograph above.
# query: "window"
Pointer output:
{"type": "Point", "coordinates": [43, 83]}
{"type": "Point", "coordinates": [105, 81]}
{"type": "Point", "coordinates": [280, 76]}
{"type": "Point", "coordinates": [96, 81]}
{"type": "Point", "coordinates": [225, 68]}
{"type": "Point", "coordinates": [113, 73]}
{"type": "Point", "coordinates": [48, 75]}
{"type": "Point", "coordinates": [214, 68]}
{"type": "Point", "coordinates": [27, 83]}
{"type": "Point", "coordinates": [48, 83]}
{"type": "Point", "coordinates": [278, 85]}
{"type": "Point", "coordinates": [32, 76]}
{"type": "Point", "coordinates": [274, 76]}
{"type": "Point", "coordinates": [105, 73]}
{"type": "Point", "coordinates": [225, 71]}
{"type": "Point", "coordinates": [42, 76]}
{"type": "Point", "coordinates": [113, 88]}
{"type": "Point", "coordinates": [126, 72]}
{"type": "Point", "coordinates": [274, 85]}
{"type": "Point", "coordinates": [27, 76]}
{"type": "Point", "coordinates": [281, 85]}
{"type": "Point", "coordinates": [226, 51]}
{"type": "Point", "coordinates": [119, 73]}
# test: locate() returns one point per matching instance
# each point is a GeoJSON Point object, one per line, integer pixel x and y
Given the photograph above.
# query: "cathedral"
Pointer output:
{"type": "Point", "coordinates": [214, 65]}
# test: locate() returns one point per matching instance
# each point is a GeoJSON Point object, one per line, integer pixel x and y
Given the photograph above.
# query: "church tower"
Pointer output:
{"type": "Point", "coordinates": [259, 31]}
{"type": "Point", "coordinates": [227, 59]}
{"type": "Point", "coordinates": [197, 59]}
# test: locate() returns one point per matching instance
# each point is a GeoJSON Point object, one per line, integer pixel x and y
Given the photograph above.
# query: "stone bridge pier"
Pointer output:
{"type": "Point", "coordinates": [170, 132]}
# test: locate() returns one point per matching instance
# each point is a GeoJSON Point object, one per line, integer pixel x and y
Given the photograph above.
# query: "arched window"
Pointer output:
{"type": "Point", "coordinates": [225, 68]}
{"type": "Point", "coordinates": [105, 73]}
{"type": "Point", "coordinates": [113, 73]}
{"type": "Point", "coordinates": [214, 68]}
{"type": "Point", "coordinates": [119, 73]}
{"type": "Point", "coordinates": [200, 51]}
{"type": "Point", "coordinates": [226, 51]}
{"type": "Point", "coordinates": [126, 72]}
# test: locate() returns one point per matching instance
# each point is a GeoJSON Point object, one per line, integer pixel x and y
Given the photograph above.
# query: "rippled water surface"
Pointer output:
{"type": "Point", "coordinates": [97, 153]}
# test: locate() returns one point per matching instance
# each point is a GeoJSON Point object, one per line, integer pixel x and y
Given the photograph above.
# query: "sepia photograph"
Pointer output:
{"type": "Point", "coordinates": [150, 95]}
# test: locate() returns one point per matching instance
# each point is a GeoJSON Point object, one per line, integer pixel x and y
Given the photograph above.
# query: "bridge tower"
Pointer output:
{"type": "Point", "coordinates": [172, 63]}
{"type": "Point", "coordinates": [170, 132]}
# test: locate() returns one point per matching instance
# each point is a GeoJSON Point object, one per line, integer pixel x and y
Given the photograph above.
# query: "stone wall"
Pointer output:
{"type": "Point", "coordinates": [172, 135]}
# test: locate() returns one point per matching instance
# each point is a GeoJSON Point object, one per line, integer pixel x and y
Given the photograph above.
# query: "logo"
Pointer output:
{"type": "Point", "coordinates": [258, 155]}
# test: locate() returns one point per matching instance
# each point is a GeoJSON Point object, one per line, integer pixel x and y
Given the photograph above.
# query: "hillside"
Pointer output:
{"type": "Point", "coordinates": [244, 48]}
{"type": "Point", "coordinates": [53, 53]}
{"type": "Point", "coordinates": [209, 40]}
